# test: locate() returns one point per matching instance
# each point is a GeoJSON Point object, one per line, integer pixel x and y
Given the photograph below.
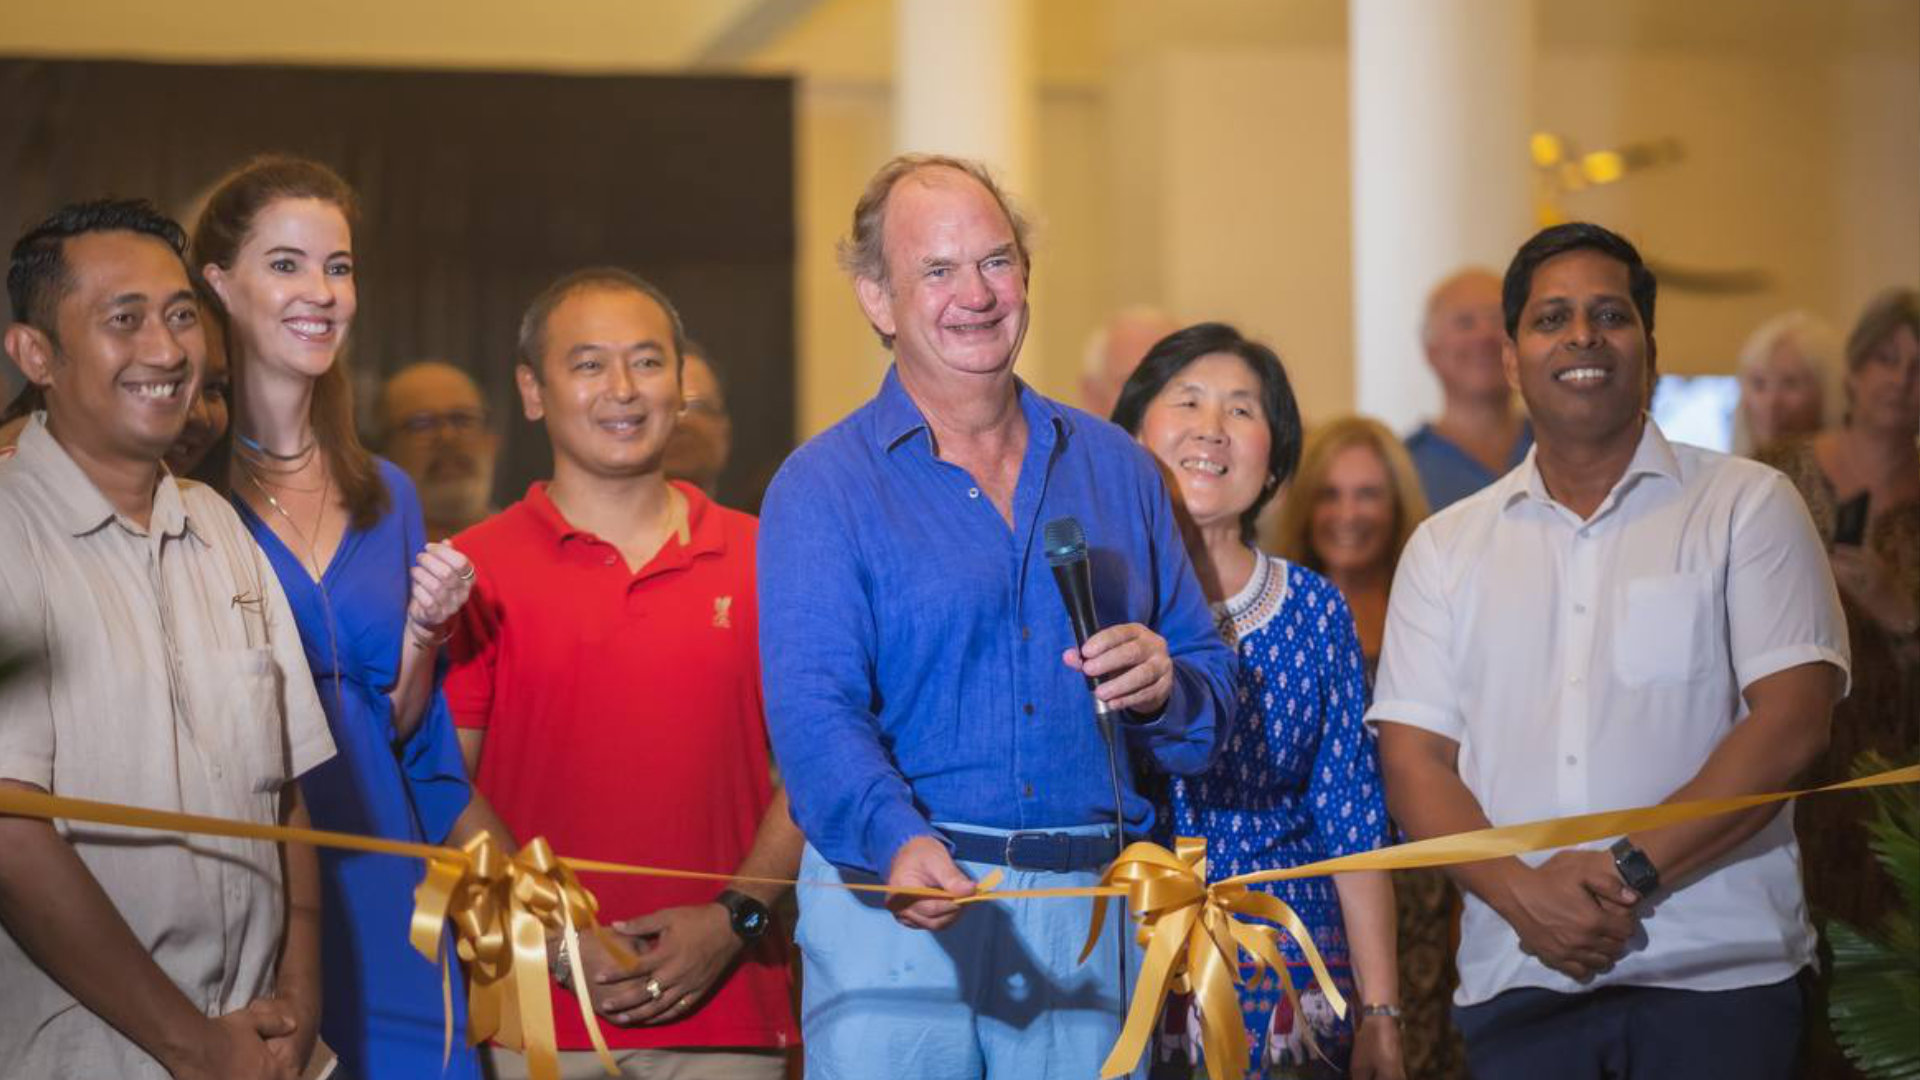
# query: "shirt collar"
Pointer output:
{"type": "Point", "coordinates": [697, 532]}
{"type": "Point", "coordinates": [1653, 456]}
{"type": "Point", "coordinates": [896, 417]}
{"type": "Point", "coordinates": [78, 501]}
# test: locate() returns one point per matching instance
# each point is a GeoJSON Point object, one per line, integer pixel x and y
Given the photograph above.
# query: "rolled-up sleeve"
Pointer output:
{"type": "Point", "coordinates": [1416, 684]}
{"type": "Point", "coordinates": [817, 650]}
{"type": "Point", "coordinates": [1782, 607]}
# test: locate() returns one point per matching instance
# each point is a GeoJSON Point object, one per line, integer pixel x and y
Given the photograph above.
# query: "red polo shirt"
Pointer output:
{"type": "Point", "coordinates": [624, 722]}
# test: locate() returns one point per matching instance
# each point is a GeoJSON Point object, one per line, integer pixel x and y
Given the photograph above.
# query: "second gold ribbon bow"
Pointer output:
{"type": "Point", "coordinates": [1193, 945]}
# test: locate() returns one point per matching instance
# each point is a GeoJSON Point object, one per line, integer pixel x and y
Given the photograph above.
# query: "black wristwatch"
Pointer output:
{"type": "Point", "coordinates": [750, 917]}
{"type": "Point", "coordinates": [1635, 868]}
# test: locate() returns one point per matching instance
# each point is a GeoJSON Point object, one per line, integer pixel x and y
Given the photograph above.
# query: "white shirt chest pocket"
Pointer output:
{"type": "Point", "coordinates": [1667, 629]}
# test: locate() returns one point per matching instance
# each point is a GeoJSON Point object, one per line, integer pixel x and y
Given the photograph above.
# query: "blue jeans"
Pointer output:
{"type": "Point", "coordinates": [1635, 1033]}
{"type": "Point", "coordinates": [995, 995]}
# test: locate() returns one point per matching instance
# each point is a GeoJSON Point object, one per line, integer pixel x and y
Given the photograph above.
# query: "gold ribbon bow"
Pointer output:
{"type": "Point", "coordinates": [502, 911]}
{"type": "Point", "coordinates": [1193, 944]}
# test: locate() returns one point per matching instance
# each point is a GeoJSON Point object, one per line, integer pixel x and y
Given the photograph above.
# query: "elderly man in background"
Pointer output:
{"type": "Point", "coordinates": [701, 442]}
{"type": "Point", "coordinates": [1479, 434]}
{"type": "Point", "coordinates": [1115, 350]}
{"type": "Point", "coordinates": [433, 424]}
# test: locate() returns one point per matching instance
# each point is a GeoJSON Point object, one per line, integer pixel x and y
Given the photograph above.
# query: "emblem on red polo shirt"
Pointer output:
{"type": "Point", "coordinates": [722, 612]}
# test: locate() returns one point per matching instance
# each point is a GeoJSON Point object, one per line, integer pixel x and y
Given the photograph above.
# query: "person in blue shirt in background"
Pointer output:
{"type": "Point", "coordinates": [1480, 435]}
{"type": "Point", "coordinates": [924, 696]}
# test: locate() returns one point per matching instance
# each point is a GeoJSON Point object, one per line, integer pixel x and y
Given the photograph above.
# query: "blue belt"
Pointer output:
{"type": "Point", "coordinates": [1051, 851]}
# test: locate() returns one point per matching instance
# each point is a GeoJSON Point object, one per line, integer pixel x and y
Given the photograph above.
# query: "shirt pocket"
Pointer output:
{"type": "Point", "coordinates": [244, 686]}
{"type": "Point", "coordinates": [1664, 634]}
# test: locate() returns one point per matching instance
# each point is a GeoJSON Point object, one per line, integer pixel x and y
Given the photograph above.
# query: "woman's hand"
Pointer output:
{"type": "Point", "coordinates": [442, 580]}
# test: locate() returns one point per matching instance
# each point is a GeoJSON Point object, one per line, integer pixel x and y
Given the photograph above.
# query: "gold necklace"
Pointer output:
{"type": "Point", "coordinates": [313, 555]}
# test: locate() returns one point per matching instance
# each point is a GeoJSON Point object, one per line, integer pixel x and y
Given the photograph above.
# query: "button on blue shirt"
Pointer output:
{"type": "Point", "coordinates": [1448, 473]}
{"type": "Point", "coordinates": [910, 640]}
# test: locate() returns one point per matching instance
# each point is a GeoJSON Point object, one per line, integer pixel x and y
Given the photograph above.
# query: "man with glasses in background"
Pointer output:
{"type": "Point", "coordinates": [433, 425]}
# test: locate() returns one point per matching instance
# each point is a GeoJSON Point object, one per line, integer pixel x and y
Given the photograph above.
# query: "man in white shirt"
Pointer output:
{"type": "Point", "coordinates": [1620, 621]}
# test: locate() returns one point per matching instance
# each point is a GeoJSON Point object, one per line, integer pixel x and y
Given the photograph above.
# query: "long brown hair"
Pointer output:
{"type": "Point", "coordinates": [1292, 533]}
{"type": "Point", "coordinates": [237, 201]}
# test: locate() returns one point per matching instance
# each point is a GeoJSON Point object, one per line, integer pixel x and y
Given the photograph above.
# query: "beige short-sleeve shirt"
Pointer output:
{"type": "Point", "coordinates": [169, 675]}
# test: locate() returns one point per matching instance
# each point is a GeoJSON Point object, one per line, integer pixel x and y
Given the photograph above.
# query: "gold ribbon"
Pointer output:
{"type": "Point", "coordinates": [1193, 945]}
{"type": "Point", "coordinates": [1191, 949]}
{"type": "Point", "coordinates": [502, 909]}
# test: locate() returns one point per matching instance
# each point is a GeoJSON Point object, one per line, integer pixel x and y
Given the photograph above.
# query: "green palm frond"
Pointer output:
{"type": "Point", "coordinates": [1874, 1005]}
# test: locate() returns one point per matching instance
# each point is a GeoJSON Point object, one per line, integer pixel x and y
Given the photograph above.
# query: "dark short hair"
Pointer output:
{"type": "Point", "coordinates": [38, 276]}
{"type": "Point", "coordinates": [1557, 240]}
{"type": "Point", "coordinates": [533, 324]}
{"type": "Point", "coordinates": [1171, 355]}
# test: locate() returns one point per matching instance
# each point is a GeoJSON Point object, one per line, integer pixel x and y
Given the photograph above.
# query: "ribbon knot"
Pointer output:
{"type": "Point", "coordinates": [502, 911]}
{"type": "Point", "coordinates": [1193, 940]}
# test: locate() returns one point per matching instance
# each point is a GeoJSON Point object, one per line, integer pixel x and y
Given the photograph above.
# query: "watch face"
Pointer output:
{"type": "Point", "coordinates": [749, 916]}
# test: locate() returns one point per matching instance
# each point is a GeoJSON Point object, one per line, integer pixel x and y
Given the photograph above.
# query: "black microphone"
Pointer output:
{"type": "Point", "coordinates": [1065, 543]}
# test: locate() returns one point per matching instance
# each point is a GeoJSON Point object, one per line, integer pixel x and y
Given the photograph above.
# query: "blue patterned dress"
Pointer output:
{"type": "Point", "coordinates": [1297, 781]}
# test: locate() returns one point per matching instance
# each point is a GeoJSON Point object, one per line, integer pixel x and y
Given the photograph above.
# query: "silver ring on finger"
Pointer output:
{"type": "Point", "coordinates": [654, 990]}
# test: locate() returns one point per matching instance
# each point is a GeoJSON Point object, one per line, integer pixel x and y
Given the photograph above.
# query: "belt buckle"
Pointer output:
{"type": "Point", "coordinates": [1049, 839]}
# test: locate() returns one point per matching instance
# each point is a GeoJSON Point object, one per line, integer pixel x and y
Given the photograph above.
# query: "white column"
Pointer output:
{"type": "Point", "coordinates": [1441, 96]}
{"type": "Point", "coordinates": [964, 83]}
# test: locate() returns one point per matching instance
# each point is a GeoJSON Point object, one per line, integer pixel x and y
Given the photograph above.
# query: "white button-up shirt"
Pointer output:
{"type": "Point", "coordinates": [1588, 665]}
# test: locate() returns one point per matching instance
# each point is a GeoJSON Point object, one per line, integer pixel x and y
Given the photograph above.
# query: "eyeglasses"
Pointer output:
{"type": "Point", "coordinates": [423, 425]}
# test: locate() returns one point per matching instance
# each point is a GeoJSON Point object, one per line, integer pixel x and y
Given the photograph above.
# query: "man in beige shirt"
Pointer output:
{"type": "Point", "coordinates": [166, 672]}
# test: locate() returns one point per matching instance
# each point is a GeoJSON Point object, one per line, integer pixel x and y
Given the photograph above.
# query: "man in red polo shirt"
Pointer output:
{"type": "Point", "coordinates": [606, 680]}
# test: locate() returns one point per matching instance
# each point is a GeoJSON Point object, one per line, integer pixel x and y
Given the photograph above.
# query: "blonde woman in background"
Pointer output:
{"type": "Point", "coordinates": [1876, 564]}
{"type": "Point", "coordinates": [1347, 516]}
{"type": "Point", "coordinates": [1789, 382]}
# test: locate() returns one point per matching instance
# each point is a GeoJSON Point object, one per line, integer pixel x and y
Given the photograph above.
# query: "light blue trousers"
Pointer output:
{"type": "Point", "coordinates": [995, 996]}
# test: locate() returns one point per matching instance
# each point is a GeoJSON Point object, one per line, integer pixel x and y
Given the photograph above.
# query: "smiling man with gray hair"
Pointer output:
{"type": "Point", "coordinates": [924, 693]}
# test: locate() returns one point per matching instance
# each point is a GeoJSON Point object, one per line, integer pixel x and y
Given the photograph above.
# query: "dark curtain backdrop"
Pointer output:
{"type": "Point", "coordinates": [476, 190]}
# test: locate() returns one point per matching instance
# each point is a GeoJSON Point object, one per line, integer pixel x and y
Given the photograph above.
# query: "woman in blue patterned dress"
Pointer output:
{"type": "Point", "coordinates": [1297, 779]}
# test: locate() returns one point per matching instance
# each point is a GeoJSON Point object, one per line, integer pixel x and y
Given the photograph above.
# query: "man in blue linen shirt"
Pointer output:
{"type": "Point", "coordinates": [924, 696]}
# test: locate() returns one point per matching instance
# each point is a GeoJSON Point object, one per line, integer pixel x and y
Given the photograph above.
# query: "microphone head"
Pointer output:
{"type": "Point", "coordinates": [1064, 541]}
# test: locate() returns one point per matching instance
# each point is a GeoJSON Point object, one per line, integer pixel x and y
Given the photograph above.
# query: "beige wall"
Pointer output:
{"type": "Point", "coordinates": [566, 35]}
{"type": "Point", "coordinates": [1803, 166]}
{"type": "Point", "coordinates": [1194, 154]}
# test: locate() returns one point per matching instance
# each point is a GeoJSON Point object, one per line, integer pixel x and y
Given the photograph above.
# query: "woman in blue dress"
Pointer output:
{"type": "Point", "coordinates": [343, 532]}
{"type": "Point", "coordinates": [1298, 779]}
